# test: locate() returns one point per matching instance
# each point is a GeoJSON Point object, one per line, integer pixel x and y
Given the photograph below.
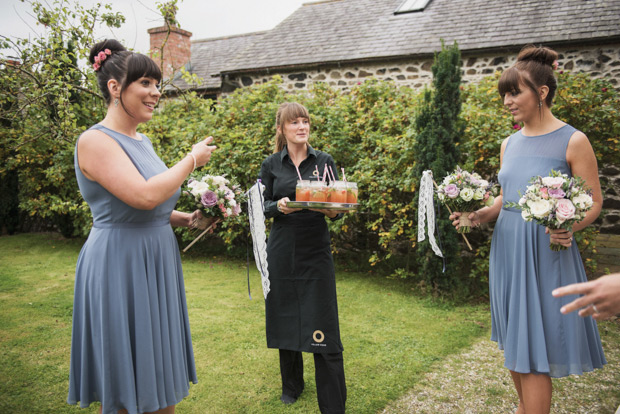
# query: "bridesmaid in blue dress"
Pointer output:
{"type": "Point", "coordinates": [539, 342]}
{"type": "Point", "coordinates": [131, 346]}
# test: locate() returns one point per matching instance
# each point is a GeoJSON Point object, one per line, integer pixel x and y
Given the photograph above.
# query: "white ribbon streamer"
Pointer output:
{"type": "Point", "coordinates": [426, 211]}
{"type": "Point", "coordinates": [257, 228]}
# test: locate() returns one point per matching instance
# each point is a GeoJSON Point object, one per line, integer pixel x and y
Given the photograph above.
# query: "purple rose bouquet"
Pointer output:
{"type": "Point", "coordinates": [215, 196]}
{"type": "Point", "coordinates": [556, 201]}
{"type": "Point", "coordinates": [465, 192]}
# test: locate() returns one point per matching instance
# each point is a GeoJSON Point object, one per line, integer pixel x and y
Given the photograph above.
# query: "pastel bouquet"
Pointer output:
{"type": "Point", "coordinates": [557, 202]}
{"type": "Point", "coordinates": [216, 196]}
{"type": "Point", "coordinates": [465, 192]}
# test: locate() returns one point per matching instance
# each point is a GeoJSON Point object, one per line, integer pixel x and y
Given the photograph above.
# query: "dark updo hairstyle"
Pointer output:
{"type": "Point", "coordinates": [124, 66]}
{"type": "Point", "coordinates": [534, 68]}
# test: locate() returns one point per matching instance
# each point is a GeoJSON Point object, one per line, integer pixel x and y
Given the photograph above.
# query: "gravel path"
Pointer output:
{"type": "Point", "coordinates": [475, 381]}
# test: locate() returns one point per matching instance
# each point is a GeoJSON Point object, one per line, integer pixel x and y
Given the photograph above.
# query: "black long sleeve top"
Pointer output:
{"type": "Point", "coordinates": [279, 177]}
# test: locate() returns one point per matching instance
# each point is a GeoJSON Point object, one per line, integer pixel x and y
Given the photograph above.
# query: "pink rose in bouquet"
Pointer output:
{"type": "Point", "coordinates": [565, 210]}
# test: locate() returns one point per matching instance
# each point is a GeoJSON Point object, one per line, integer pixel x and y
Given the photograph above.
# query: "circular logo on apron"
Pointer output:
{"type": "Point", "coordinates": [318, 336]}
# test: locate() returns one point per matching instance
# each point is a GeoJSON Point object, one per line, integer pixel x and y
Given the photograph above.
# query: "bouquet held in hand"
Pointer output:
{"type": "Point", "coordinates": [465, 192]}
{"type": "Point", "coordinates": [215, 196]}
{"type": "Point", "coordinates": [556, 202]}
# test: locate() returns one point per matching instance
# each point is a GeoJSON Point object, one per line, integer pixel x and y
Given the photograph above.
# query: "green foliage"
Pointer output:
{"type": "Point", "coordinates": [439, 130]}
{"type": "Point", "coordinates": [370, 136]}
{"type": "Point", "coordinates": [366, 131]}
{"type": "Point", "coordinates": [48, 101]}
{"type": "Point", "coordinates": [591, 105]}
{"type": "Point", "coordinates": [383, 135]}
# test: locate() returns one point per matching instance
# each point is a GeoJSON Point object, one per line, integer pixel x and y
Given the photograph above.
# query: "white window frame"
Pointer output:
{"type": "Point", "coordinates": [410, 6]}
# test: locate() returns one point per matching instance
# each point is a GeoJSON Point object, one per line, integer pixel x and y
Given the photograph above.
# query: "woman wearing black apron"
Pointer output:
{"type": "Point", "coordinates": [301, 308]}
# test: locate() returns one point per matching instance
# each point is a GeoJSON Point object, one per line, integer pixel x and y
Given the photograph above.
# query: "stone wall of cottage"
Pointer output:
{"type": "Point", "coordinates": [600, 62]}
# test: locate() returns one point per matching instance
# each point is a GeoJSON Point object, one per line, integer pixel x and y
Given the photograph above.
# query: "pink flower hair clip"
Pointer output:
{"type": "Point", "coordinates": [101, 56]}
{"type": "Point", "coordinates": [555, 65]}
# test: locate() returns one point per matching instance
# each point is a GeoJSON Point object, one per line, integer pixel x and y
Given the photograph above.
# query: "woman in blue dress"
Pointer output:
{"type": "Point", "coordinates": [131, 346]}
{"type": "Point", "coordinates": [539, 342]}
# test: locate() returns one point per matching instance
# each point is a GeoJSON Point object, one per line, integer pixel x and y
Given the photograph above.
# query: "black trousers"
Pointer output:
{"type": "Point", "coordinates": [329, 373]}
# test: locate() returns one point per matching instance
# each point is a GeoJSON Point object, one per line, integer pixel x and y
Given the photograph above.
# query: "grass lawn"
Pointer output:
{"type": "Point", "coordinates": [391, 337]}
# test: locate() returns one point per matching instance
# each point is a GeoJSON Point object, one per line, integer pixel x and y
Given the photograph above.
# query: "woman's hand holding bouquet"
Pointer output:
{"type": "Point", "coordinates": [465, 192]}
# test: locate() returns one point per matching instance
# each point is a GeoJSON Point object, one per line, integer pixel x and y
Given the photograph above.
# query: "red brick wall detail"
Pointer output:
{"type": "Point", "coordinates": [177, 51]}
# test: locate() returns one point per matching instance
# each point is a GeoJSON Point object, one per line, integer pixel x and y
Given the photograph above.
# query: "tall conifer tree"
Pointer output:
{"type": "Point", "coordinates": [439, 130]}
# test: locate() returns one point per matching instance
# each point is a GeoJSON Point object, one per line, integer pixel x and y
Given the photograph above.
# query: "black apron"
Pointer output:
{"type": "Point", "coordinates": [301, 307]}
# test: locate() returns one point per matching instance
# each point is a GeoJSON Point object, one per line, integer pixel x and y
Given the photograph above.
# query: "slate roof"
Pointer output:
{"type": "Point", "coordinates": [334, 31]}
{"type": "Point", "coordinates": [211, 56]}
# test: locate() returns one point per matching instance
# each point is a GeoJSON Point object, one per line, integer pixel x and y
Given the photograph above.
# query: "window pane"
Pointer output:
{"type": "Point", "coordinates": [412, 5]}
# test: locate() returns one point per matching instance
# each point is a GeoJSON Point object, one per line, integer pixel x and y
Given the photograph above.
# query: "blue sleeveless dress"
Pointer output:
{"type": "Point", "coordinates": [526, 319]}
{"type": "Point", "coordinates": [131, 345]}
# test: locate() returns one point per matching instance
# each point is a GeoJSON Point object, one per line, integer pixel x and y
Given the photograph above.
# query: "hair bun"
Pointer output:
{"type": "Point", "coordinates": [110, 44]}
{"type": "Point", "coordinates": [538, 54]}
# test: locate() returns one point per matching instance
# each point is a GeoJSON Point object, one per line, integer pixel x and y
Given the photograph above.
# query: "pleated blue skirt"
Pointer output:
{"type": "Point", "coordinates": [131, 346]}
{"type": "Point", "coordinates": [526, 319]}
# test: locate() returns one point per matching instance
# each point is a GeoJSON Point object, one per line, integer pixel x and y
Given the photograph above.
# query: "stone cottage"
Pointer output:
{"type": "Point", "coordinates": [343, 42]}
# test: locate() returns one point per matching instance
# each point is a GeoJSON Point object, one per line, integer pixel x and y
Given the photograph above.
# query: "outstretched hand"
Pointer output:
{"type": "Point", "coordinates": [601, 298]}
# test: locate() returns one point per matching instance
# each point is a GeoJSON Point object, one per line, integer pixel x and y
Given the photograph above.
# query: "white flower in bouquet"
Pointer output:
{"type": "Point", "coordinates": [526, 215]}
{"type": "Point", "coordinates": [217, 180]}
{"type": "Point", "coordinates": [531, 189]}
{"type": "Point", "coordinates": [479, 194]}
{"type": "Point", "coordinates": [582, 200]}
{"type": "Point", "coordinates": [553, 182]}
{"type": "Point", "coordinates": [197, 188]}
{"type": "Point", "coordinates": [467, 194]}
{"type": "Point", "coordinates": [539, 208]}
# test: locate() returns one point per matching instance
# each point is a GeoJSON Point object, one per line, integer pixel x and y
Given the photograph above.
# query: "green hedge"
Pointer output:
{"type": "Point", "coordinates": [368, 130]}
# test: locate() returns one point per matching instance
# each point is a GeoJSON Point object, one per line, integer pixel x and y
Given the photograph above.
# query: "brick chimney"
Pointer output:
{"type": "Point", "coordinates": [177, 51]}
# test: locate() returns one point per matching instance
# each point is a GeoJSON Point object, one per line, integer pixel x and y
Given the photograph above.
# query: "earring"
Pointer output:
{"type": "Point", "coordinates": [116, 103]}
{"type": "Point", "coordinates": [540, 104]}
